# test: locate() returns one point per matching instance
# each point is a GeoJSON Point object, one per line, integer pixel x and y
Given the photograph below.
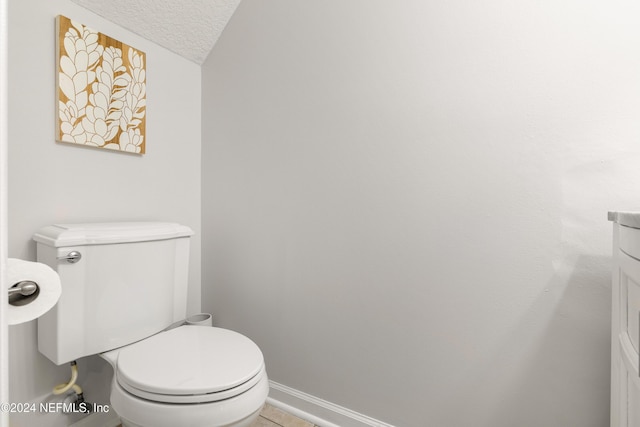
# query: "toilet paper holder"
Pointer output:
{"type": "Point", "coordinates": [23, 292]}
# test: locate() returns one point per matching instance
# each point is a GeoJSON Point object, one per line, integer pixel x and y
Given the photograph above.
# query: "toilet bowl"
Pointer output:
{"type": "Point", "coordinates": [124, 284]}
{"type": "Point", "coordinates": [188, 376]}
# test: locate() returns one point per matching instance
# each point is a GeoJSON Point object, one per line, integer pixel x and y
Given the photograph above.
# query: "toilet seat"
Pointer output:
{"type": "Point", "coordinates": [190, 364]}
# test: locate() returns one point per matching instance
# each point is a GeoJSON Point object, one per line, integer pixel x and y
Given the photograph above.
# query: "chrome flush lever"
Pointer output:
{"type": "Point", "coordinates": [72, 257]}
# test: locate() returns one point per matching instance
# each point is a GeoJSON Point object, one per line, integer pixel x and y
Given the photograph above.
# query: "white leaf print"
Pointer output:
{"type": "Point", "coordinates": [91, 38]}
{"type": "Point", "coordinates": [101, 99]}
{"type": "Point", "coordinates": [66, 85]}
{"type": "Point", "coordinates": [81, 60]}
{"type": "Point", "coordinates": [80, 81]}
{"type": "Point", "coordinates": [81, 46]}
{"type": "Point", "coordinates": [67, 66]}
{"type": "Point", "coordinates": [100, 127]}
{"type": "Point", "coordinates": [81, 100]}
{"type": "Point", "coordinates": [70, 47]}
{"type": "Point", "coordinates": [66, 127]}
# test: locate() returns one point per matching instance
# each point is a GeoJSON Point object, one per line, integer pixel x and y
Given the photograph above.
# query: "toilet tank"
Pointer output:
{"type": "Point", "coordinates": [129, 283]}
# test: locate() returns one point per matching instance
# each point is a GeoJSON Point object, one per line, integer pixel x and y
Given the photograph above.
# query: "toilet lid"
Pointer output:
{"type": "Point", "coordinates": [190, 361]}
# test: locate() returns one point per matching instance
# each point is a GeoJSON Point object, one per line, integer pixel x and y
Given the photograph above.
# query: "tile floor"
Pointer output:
{"type": "Point", "coordinates": [274, 417]}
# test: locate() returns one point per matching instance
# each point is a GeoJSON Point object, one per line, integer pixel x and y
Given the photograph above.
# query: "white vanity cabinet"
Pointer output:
{"type": "Point", "coordinates": [625, 320]}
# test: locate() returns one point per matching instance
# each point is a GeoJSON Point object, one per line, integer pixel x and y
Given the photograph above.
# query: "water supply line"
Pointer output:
{"type": "Point", "coordinates": [76, 398]}
{"type": "Point", "coordinates": [64, 387]}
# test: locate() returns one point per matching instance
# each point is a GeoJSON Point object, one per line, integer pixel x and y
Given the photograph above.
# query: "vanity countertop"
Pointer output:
{"type": "Point", "coordinates": [629, 219]}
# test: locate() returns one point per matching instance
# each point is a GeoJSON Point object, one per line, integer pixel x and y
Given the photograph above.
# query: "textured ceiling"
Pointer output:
{"type": "Point", "coordinates": [189, 28]}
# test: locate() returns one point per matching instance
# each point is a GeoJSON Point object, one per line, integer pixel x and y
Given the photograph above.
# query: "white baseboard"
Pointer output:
{"type": "Point", "coordinates": [316, 410]}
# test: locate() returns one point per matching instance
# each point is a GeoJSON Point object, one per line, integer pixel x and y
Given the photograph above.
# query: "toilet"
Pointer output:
{"type": "Point", "coordinates": [124, 297]}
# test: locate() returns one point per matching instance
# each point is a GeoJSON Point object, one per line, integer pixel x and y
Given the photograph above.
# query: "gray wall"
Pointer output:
{"type": "Point", "coordinates": [405, 204]}
{"type": "Point", "coordinates": [51, 182]}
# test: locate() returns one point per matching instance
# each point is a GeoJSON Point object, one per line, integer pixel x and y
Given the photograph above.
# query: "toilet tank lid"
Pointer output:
{"type": "Point", "coordinates": [63, 235]}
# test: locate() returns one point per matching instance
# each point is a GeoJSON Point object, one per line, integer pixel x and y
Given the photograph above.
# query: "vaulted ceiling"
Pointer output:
{"type": "Point", "coordinates": [189, 28]}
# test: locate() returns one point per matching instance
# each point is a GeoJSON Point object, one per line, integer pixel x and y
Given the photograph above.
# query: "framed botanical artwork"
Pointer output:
{"type": "Point", "coordinates": [101, 86]}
